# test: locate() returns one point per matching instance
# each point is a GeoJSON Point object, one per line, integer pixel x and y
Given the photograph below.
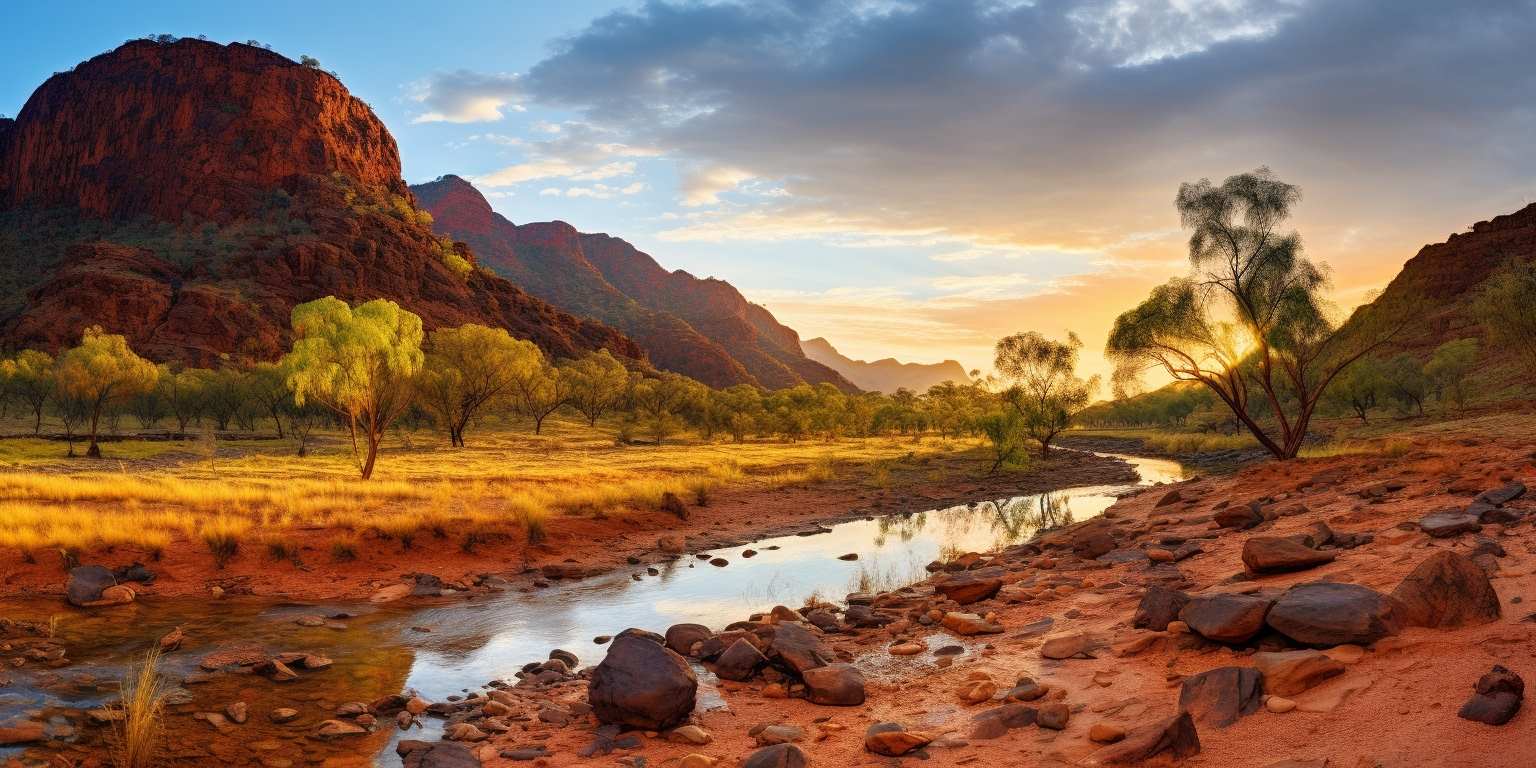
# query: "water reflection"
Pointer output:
{"type": "Point", "coordinates": [444, 649]}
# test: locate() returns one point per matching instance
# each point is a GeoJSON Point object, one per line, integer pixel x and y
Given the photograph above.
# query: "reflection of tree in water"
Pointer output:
{"type": "Point", "coordinates": [1015, 520]}
{"type": "Point", "coordinates": [905, 527]}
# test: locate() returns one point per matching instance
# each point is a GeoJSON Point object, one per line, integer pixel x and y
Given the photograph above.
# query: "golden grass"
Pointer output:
{"type": "Point", "coordinates": [503, 478]}
{"type": "Point", "coordinates": [137, 736]}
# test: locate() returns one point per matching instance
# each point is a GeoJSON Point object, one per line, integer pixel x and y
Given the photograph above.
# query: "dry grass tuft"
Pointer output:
{"type": "Point", "coordinates": [137, 737]}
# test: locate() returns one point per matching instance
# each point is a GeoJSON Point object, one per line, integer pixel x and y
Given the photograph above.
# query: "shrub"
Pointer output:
{"type": "Point", "coordinates": [137, 736]}
{"type": "Point", "coordinates": [222, 536]}
{"type": "Point", "coordinates": [344, 550]}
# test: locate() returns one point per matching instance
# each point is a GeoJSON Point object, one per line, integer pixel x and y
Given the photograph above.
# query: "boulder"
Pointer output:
{"type": "Point", "coordinates": [1447, 590]}
{"type": "Point", "coordinates": [642, 684]}
{"type": "Point", "coordinates": [1287, 673]}
{"type": "Point", "coordinates": [1159, 605]}
{"type": "Point", "coordinates": [1220, 696]}
{"type": "Point", "coordinates": [1325, 614]}
{"type": "Point", "coordinates": [87, 583]}
{"type": "Point", "coordinates": [996, 722]}
{"type": "Point", "coordinates": [1053, 716]}
{"type": "Point", "coordinates": [1066, 646]}
{"type": "Point", "coordinates": [1092, 540]}
{"type": "Point", "coordinates": [967, 588]}
{"type": "Point", "coordinates": [1272, 554]}
{"type": "Point", "coordinates": [1495, 699]}
{"type": "Point", "coordinates": [1240, 517]}
{"type": "Point", "coordinates": [440, 754]}
{"type": "Point", "coordinates": [835, 685]}
{"type": "Point", "coordinates": [681, 637]}
{"type": "Point", "coordinates": [1226, 618]}
{"type": "Point", "coordinates": [1176, 736]}
{"type": "Point", "coordinates": [894, 740]}
{"type": "Point", "coordinates": [797, 648]}
{"type": "Point", "coordinates": [739, 662]}
{"type": "Point", "coordinates": [777, 756]}
{"type": "Point", "coordinates": [1446, 524]}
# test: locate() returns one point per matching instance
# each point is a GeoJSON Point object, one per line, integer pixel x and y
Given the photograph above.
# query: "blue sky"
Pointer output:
{"type": "Point", "coordinates": [915, 178]}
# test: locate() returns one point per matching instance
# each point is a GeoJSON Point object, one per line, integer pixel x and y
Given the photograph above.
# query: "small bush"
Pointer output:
{"type": "Point", "coordinates": [674, 506]}
{"type": "Point", "coordinates": [222, 537]}
{"type": "Point", "coordinates": [279, 549]}
{"type": "Point", "coordinates": [344, 550]}
{"type": "Point", "coordinates": [138, 735]}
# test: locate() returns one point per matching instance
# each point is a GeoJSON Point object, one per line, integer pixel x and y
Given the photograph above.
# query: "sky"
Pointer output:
{"type": "Point", "coordinates": [915, 179]}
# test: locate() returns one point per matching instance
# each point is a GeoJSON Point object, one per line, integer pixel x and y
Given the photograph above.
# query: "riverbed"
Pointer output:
{"type": "Point", "coordinates": [449, 646]}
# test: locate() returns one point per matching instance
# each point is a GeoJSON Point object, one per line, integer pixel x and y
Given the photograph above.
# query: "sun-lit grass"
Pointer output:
{"type": "Point", "coordinates": [505, 477]}
{"type": "Point", "coordinates": [138, 734]}
{"type": "Point", "coordinates": [1176, 443]}
{"type": "Point", "coordinates": [1390, 447]}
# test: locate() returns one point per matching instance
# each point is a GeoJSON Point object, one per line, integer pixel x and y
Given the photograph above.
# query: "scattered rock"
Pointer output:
{"type": "Point", "coordinates": [1220, 696]}
{"type": "Point", "coordinates": [1176, 736]}
{"type": "Point", "coordinates": [682, 637]}
{"type": "Point", "coordinates": [1241, 517]}
{"type": "Point", "coordinates": [1272, 554]}
{"type": "Point", "coordinates": [283, 715]}
{"type": "Point", "coordinates": [1287, 673]}
{"type": "Point", "coordinates": [1159, 605]}
{"type": "Point", "coordinates": [776, 756]}
{"type": "Point", "coordinates": [797, 648]}
{"type": "Point", "coordinates": [1502, 495]}
{"type": "Point", "coordinates": [642, 684]}
{"type": "Point", "coordinates": [778, 734]}
{"type": "Point", "coordinates": [739, 662]}
{"type": "Point", "coordinates": [86, 585]}
{"type": "Point", "coordinates": [1324, 614]}
{"type": "Point", "coordinates": [1496, 698]}
{"type": "Point", "coordinates": [969, 624]}
{"type": "Point", "coordinates": [967, 588]}
{"type": "Point", "coordinates": [335, 729]}
{"type": "Point", "coordinates": [690, 734]}
{"type": "Point", "coordinates": [18, 733]}
{"type": "Point", "coordinates": [835, 685]}
{"type": "Point", "coordinates": [1226, 618]}
{"type": "Point", "coordinates": [1447, 590]}
{"type": "Point", "coordinates": [1279, 704]}
{"type": "Point", "coordinates": [1104, 733]}
{"type": "Point", "coordinates": [441, 754]}
{"type": "Point", "coordinates": [1053, 716]}
{"type": "Point", "coordinates": [996, 722]}
{"type": "Point", "coordinates": [893, 740]}
{"type": "Point", "coordinates": [1066, 646]}
{"type": "Point", "coordinates": [390, 593]}
{"type": "Point", "coordinates": [1449, 523]}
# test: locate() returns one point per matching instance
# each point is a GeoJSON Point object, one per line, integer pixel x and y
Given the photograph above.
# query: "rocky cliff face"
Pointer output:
{"type": "Point", "coordinates": [1430, 298]}
{"type": "Point", "coordinates": [188, 194]}
{"type": "Point", "coordinates": [702, 328]}
{"type": "Point", "coordinates": [886, 375]}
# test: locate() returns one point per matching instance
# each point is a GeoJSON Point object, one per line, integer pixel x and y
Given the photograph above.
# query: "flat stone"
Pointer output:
{"type": "Point", "coordinates": [775, 756]}
{"type": "Point", "coordinates": [1503, 494]}
{"type": "Point", "coordinates": [969, 624]}
{"type": "Point", "coordinates": [967, 588]}
{"type": "Point", "coordinates": [1176, 736]}
{"type": "Point", "coordinates": [1273, 554]}
{"type": "Point", "coordinates": [996, 722]}
{"type": "Point", "coordinates": [894, 740]}
{"type": "Point", "coordinates": [1287, 673]}
{"type": "Point", "coordinates": [1442, 525]}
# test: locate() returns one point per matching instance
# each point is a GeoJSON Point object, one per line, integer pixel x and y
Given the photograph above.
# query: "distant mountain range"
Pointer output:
{"type": "Point", "coordinates": [700, 327]}
{"type": "Point", "coordinates": [886, 375]}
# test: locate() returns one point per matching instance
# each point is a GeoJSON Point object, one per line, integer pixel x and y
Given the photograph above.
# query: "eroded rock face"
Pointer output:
{"type": "Point", "coordinates": [642, 684]}
{"type": "Point", "coordinates": [263, 183]}
{"type": "Point", "coordinates": [1159, 605]}
{"type": "Point", "coordinates": [1287, 673]}
{"type": "Point", "coordinates": [967, 588]}
{"type": "Point", "coordinates": [1325, 614]}
{"type": "Point", "coordinates": [1220, 696]}
{"type": "Point", "coordinates": [835, 685]}
{"type": "Point", "coordinates": [1175, 736]}
{"type": "Point", "coordinates": [1447, 590]}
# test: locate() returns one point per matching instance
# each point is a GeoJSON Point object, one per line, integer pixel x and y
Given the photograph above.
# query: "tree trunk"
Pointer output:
{"type": "Point", "coordinates": [37, 424]}
{"type": "Point", "coordinates": [94, 451]}
{"type": "Point", "coordinates": [373, 452]}
{"type": "Point", "coordinates": [277, 419]}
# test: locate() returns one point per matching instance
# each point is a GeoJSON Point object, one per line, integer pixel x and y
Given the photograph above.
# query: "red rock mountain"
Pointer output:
{"type": "Point", "coordinates": [188, 194]}
{"type": "Point", "coordinates": [700, 327]}
{"type": "Point", "coordinates": [885, 375]}
{"type": "Point", "coordinates": [1431, 296]}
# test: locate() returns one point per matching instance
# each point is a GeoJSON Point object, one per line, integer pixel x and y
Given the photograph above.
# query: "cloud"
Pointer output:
{"type": "Point", "coordinates": [463, 96]}
{"type": "Point", "coordinates": [575, 151]}
{"type": "Point", "coordinates": [991, 127]}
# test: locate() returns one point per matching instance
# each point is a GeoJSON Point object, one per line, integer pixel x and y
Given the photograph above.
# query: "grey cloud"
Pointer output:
{"type": "Point", "coordinates": [1016, 116]}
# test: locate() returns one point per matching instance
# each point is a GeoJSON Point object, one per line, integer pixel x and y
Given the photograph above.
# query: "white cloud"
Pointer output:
{"type": "Point", "coordinates": [464, 96]}
{"type": "Point", "coordinates": [703, 186]}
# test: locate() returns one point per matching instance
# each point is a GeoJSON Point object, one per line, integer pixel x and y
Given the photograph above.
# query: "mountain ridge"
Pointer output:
{"type": "Point", "coordinates": [886, 374]}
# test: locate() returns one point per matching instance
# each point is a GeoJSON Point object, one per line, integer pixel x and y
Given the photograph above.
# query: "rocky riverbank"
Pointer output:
{"type": "Point", "coordinates": [1212, 461]}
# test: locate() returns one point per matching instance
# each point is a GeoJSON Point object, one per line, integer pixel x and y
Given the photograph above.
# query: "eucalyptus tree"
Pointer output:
{"type": "Point", "coordinates": [470, 367]}
{"type": "Point", "coordinates": [1249, 322]}
{"type": "Point", "coordinates": [100, 373]}
{"type": "Point", "coordinates": [360, 362]}
{"type": "Point", "coordinates": [1043, 386]}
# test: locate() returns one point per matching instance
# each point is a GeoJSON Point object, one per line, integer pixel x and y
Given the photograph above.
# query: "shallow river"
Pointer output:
{"type": "Point", "coordinates": [456, 645]}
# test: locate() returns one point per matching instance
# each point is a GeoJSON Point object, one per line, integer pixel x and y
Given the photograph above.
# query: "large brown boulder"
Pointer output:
{"type": "Point", "coordinates": [642, 684]}
{"type": "Point", "coordinates": [797, 648]}
{"type": "Point", "coordinates": [87, 583]}
{"type": "Point", "coordinates": [1220, 696]}
{"type": "Point", "coordinates": [1226, 618]}
{"type": "Point", "coordinates": [681, 637]}
{"type": "Point", "coordinates": [1273, 554]}
{"type": "Point", "coordinates": [1496, 697]}
{"type": "Point", "coordinates": [1324, 614]}
{"type": "Point", "coordinates": [1447, 590]}
{"type": "Point", "coordinates": [740, 661]}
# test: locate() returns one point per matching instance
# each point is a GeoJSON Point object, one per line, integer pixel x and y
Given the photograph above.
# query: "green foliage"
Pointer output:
{"type": "Point", "coordinates": [1358, 388]}
{"type": "Point", "coordinates": [1004, 430]}
{"type": "Point", "coordinates": [1448, 368]}
{"type": "Point", "coordinates": [1250, 322]}
{"type": "Point", "coordinates": [100, 373]}
{"type": "Point", "coordinates": [1506, 308]}
{"type": "Point", "coordinates": [359, 362]}
{"type": "Point", "coordinates": [1044, 388]}
{"type": "Point", "coordinates": [598, 383]}
{"type": "Point", "coordinates": [470, 367]}
{"type": "Point", "coordinates": [1405, 382]}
